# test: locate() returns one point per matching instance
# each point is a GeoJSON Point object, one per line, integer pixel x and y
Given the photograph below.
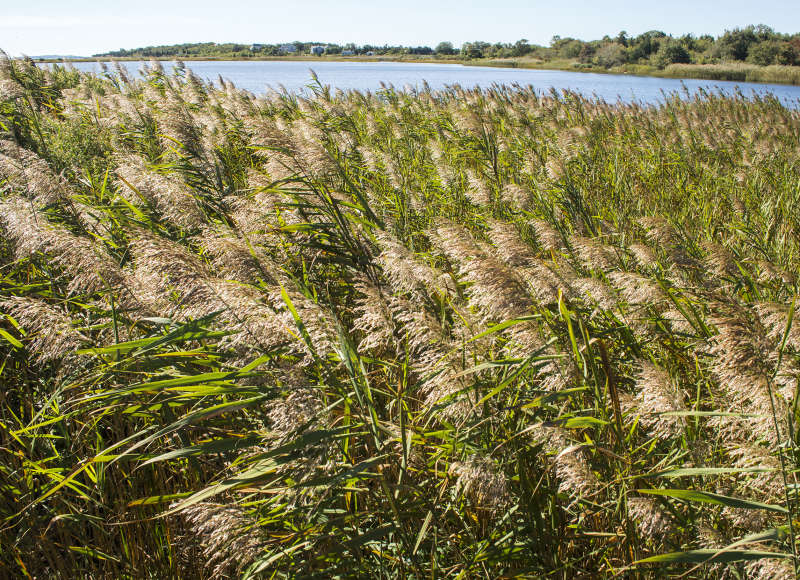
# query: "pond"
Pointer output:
{"type": "Point", "coordinates": [295, 76]}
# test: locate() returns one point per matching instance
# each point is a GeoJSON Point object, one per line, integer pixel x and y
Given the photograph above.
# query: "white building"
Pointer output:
{"type": "Point", "coordinates": [347, 53]}
{"type": "Point", "coordinates": [289, 48]}
{"type": "Point", "coordinates": [317, 50]}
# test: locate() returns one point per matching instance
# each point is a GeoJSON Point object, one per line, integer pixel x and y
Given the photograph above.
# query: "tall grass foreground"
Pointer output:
{"type": "Point", "coordinates": [423, 334]}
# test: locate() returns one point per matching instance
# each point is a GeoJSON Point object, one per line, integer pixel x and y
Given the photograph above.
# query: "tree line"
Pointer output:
{"type": "Point", "coordinates": [756, 44]}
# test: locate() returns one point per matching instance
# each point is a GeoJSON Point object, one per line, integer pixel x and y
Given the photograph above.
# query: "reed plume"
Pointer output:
{"type": "Point", "coordinates": [653, 522]}
{"type": "Point", "coordinates": [227, 534]}
{"type": "Point", "coordinates": [51, 335]}
{"type": "Point", "coordinates": [167, 194]}
{"type": "Point", "coordinates": [86, 265]}
{"type": "Point", "coordinates": [655, 396]}
{"type": "Point", "coordinates": [479, 480]}
{"type": "Point", "coordinates": [26, 172]}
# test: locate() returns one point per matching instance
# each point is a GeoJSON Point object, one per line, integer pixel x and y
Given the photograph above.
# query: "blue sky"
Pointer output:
{"type": "Point", "coordinates": [88, 26]}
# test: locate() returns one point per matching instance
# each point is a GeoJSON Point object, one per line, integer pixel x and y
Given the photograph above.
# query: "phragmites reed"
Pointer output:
{"type": "Point", "coordinates": [510, 246]}
{"type": "Point", "coordinates": [309, 153]}
{"type": "Point", "coordinates": [227, 534]}
{"type": "Point", "coordinates": [300, 408]}
{"type": "Point", "coordinates": [655, 396]}
{"type": "Point", "coordinates": [90, 268]}
{"type": "Point", "coordinates": [28, 173]}
{"type": "Point", "coordinates": [594, 254]}
{"type": "Point", "coordinates": [659, 231]}
{"type": "Point", "coordinates": [595, 291]}
{"type": "Point", "coordinates": [180, 128]}
{"type": "Point", "coordinates": [515, 196]}
{"type": "Point", "coordinates": [171, 264]}
{"type": "Point", "coordinates": [478, 479]}
{"type": "Point", "coordinates": [653, 522]}
{"type": "Point", "coordinates": [740, 362]}
{"type": "Point", "coordinates": [477, 191]}
{"type": "Point", "coordinates": [774, 318]}
{"type": "Point", "coordinates": [638, 290]}
{"type": "Point", "coordinates": [548, 237]}
{"type": "Point", "coordinates": [494, 290]}
{"type": "Point", "coordinates": [570, 464]}
{"type": "Point", "coordinates": [318, 323]}
{"type": "Point", "coordinates": [765, 482]}
{"type": "Point", "coordinates": [575, 476]}
{"type": "Point", "coordinates": [51, 335]}
{"type": "Point", "coordinates": [719, 260]}
{"type": "Point", "coordinates": [237, 257]}
{"type": "Point", "coordinates": [771, 569]}
{"type": "Point", "coordinates": [167, 194]}
{"type": "Point", "coordinates": [458, 332]}
{"type": "Point", "coordinates": [10, 90]}
{"type": "Point", "coordinates": [419, 328]}
{"type": "Point", "coordinates": [644, 255]}
{"type": "Point", "coordinates": [375, 318]}
{"type": "Point", "coordinates": [405, 272]}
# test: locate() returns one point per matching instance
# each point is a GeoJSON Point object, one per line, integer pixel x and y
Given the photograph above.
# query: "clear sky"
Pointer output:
{"type": "Point", "coordinates": [84, 27]}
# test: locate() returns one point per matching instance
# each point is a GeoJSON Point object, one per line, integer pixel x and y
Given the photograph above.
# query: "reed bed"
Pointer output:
{"type": "Point", "coordinates": [464, 333]}
{"type": "Point", "coordinates": [736, 71]}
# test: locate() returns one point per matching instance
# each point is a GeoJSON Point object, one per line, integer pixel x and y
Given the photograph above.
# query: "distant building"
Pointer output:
{"type": "Point", "coordinates": [370, 53]}
{"type": "Point", "coordinates": [317, 50]}
{"type": "Point", "coordinates": [257, 47]}
{"type": "Point", "coordinates": [347, 53]}
{"type": "Point", "coordinates": [288, 48]}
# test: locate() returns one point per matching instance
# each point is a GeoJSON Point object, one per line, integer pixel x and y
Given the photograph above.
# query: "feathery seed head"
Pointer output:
{"type": "Point", "coordinates": [479, 479]}
{"type": "Point", "coordinates": [170, 196]}
{"type": "Point", "coordinates": [89, 267]}
{"type": "Point", "coordinates": [594, 254]}
{"type": "Point", "coordinates": [548, 237]}
{"type": "Point", "coordinates": [644, 255]}
{"type": "Point", "coordinates": [375, 319]}
{"type": "Point", "coordinates": [228, 535]}
{"type": "Point", "coordinates": [51, 335]}
{"type": "Point", "coordinates": [770, 569]}
{"type": "Point", "coordinates": [10, 90]}
{"type": "Point", "coordinates": [595, 291]}
{"type": "Point", "coordinates": [659, 231]}
{"type": "Point", "coordinates": [29, 173]}
{"type": "Point", "coordinates": [299, 408]}
{"type": "Point", "coordinates": [653, 522]}
{"type": "Point", "coordinates": [510, 246]}
{"type": "Point", "coordinates": [720, 260]}
{"type": "Point", "coordinates": [656, 395]}
{"type": "Point", "coordinates": [638, 290]}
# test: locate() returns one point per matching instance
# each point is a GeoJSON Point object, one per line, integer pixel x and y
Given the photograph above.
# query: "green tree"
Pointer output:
{"type": "Point", "coordinates": [772, 52]}
{"type": "Point", "coordinates": [521, 48]}
{"type": "Point", "coordinates": [445, 48]}
{"type": "Point", "coordinates": [474, 49]}
{"type": "Point", "coordinates": [610, 54]}
{"type": "Point", "coordinates": [672, 52]}
{"type": "Point", "coordinates": [567, 47]}
{"type": "Point", "coordinates": [735, 44]}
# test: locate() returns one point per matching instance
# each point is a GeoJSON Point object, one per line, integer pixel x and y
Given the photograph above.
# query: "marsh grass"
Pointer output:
{"type": "Point", "coordinates": [417, 334]}
{"type": "Point", "coordinates": [740, 71]}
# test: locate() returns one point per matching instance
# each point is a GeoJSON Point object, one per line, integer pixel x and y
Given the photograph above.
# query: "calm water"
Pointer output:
{"type": "Point", "coordinates": [256, 76]}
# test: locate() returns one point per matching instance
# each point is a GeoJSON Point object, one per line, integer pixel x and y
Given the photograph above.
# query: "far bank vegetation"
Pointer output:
{"type": "Point", "coordinates": [753, 53]}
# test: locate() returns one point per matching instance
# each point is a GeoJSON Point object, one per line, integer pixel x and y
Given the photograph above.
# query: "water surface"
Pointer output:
{"type": "Point", "coordinates": [257, 76]}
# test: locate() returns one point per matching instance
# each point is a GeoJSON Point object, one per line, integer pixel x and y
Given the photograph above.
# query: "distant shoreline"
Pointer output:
{"type": "Point", "coordinates": [733, 72]}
